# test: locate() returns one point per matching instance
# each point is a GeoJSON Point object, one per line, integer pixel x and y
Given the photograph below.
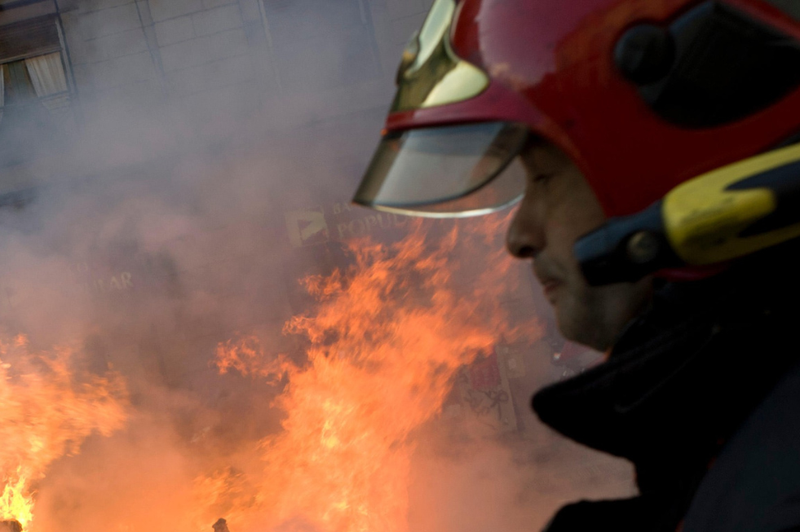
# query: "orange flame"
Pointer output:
{"type": "Point", "coordinates": [224, 492]}
{"type": "Point", "coordinates": [44, 415]}
{"type": "Point", "coordinates": [385, 340]}
{"type": "Point", "coordinates": [14, 503]}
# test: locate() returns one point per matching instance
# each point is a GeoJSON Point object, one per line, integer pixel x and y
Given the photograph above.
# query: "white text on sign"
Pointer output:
{"type": "Point", "coordinates": [370, 223]}
{"type": "Point", "coordinates": [306, 227]}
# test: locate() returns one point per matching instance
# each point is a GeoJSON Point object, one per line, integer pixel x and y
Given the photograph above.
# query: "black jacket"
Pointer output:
{"type": "Point", "coordinates": [702, 394]}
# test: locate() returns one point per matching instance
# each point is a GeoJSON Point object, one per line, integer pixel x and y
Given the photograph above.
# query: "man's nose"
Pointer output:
{"type": "Point", "coordinates": [525, 236]}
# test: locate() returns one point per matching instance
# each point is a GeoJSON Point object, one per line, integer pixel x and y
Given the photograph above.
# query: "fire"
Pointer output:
{"type": "Point", "coordinates": [14, 503]}
{"type": "Point", "coordinates": [384, 342]}
{"type": "Point", "coordinates": [46, 412]}
{"type": "Point", "coordinates": [224, 492]}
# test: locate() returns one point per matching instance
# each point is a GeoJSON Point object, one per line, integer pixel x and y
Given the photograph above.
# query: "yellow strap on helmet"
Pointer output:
{"type": "Point", "coordinates": [730, 212]}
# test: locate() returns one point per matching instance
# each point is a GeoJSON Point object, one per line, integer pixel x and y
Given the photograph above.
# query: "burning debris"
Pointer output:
{"type": "Point", "coordinates": [221, 525]}
{"type": "Point", "coordinates": [10, 525]}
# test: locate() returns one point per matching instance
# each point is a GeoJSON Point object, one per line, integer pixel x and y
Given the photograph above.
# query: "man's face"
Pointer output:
{"type": "Point", "coordinates": [558, 208]}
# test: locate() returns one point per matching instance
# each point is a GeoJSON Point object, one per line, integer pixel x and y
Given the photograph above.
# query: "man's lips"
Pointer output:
{"type": "Point", "coordinates": [547, 274]}
{"type": "Point", "coordinates": [550, 286]}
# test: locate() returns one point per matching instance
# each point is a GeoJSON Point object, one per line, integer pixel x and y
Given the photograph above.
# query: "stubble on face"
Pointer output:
{"type": "Point", "coordinates": [558, 208]}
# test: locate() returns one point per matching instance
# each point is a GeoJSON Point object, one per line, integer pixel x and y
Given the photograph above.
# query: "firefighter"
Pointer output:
{"type": "Point", "coordinates": [659, 205]}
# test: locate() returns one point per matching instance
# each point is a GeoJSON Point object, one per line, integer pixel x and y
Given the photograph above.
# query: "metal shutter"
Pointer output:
{"type": "Point", "coordinates": [30, 38]}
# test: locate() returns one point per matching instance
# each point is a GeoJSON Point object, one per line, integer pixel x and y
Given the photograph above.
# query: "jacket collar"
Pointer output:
{"type": "Point", "coordinates": [680, 378]}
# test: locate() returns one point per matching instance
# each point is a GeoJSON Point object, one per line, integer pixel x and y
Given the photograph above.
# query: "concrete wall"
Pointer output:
{"type": "Point", "coordinates": [144, 51]}
{"type": "Point", "coordinates": [237, 53]}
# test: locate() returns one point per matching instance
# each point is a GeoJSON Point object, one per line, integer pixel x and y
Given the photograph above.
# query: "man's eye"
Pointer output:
{"type": "Point", "coordinates": [539, 178]}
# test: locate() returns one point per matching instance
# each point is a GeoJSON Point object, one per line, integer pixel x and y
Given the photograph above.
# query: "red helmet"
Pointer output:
{"type": "Point", "coordinates": [642, 94]}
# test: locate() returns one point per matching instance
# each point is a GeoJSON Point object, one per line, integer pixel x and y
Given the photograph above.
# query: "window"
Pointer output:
{"type": "Point", "coordinates": [32, 64]}
{"type": "Point", "coordinates": [35, 97]}
{"type": "Point", "coordinates": [36, 79]}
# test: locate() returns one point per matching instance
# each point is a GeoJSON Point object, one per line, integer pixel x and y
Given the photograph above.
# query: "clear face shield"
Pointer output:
{"type": "Point", "coordinates": [449, 171]}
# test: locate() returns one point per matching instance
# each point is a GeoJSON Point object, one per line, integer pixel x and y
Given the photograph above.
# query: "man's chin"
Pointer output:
{"type": "Point", "coordinates": [572, 327]}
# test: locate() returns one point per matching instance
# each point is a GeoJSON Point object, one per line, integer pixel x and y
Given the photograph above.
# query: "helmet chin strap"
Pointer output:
{"type": "Point", "coordinates": [728, 213]}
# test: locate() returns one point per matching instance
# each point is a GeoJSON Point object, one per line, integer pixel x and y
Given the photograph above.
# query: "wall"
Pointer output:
{"type": "Point", "coordinates": [310, 56]}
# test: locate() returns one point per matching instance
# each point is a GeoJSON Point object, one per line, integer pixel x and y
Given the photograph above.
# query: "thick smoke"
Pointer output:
{"type": "Point", "coordinates": [170, 233]}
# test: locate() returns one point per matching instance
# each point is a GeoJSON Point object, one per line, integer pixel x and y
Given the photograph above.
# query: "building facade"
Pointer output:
{"type": "Point", "coordinates": [68, 63]}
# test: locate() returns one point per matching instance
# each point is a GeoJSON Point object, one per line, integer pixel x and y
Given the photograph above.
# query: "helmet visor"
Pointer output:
{"type": "Point", "coordinates": [446, 171]}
